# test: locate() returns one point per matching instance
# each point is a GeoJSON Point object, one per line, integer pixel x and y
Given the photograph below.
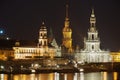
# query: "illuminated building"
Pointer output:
{"type": "Point", "coordinates": [43, 40]}
{"type": "Point", "coordinates": [47, 47]}
{"type": "Point", "coordinates": [67, 32]}
{"type": "Point", "coordinates": [6, 54]}
{"type": "Point", "coordinates": [67, 50]}
{"type": "Point", "coordinates": [92, 51]}
{"type": "Point", "coordinates": [41, 50]}
{"type": "Point", "coordinates": [115, 56]}
{"type": "Point", "coordinates": [6, 51]}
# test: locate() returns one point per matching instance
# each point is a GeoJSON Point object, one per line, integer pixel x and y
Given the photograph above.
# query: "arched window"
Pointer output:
{"type": "Point", "coordinates": [40, 42]}
{"type": "Point", "coordinates": [41, 34]}
{"type": "Point", "coordinates": [92, 37]}
{"type": "Point", "coordinates": [45, 43]}
{"type": "Point", "coordinates": [92, 24]}
{"type": "Point", "coordinates": [92, 47]}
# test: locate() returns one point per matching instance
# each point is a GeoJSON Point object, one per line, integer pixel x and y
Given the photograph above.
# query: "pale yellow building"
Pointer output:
{"type": "Point", "coordinates": [40, 50]}
{"type": "Point", "coordinates": [6, 54]}
{"type": "Point", "coordinates": [115, 56]}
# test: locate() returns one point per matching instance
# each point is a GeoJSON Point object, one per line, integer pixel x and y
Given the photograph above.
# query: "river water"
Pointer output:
{"type": "Point", "coordinates": [63, 76]}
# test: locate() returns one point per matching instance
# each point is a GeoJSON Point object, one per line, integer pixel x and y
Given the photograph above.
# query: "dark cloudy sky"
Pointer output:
{"type": "Point", "coordinates": [22, 19]}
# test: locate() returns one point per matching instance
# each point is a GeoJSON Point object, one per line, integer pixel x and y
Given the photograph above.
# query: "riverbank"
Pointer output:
{"type": "Point", "coordinates": [24, 67]}
{"type": "Point", "coordinates": [37, 71]}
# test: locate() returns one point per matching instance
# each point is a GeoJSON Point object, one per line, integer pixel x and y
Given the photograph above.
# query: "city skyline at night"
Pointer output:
{"type": "Point", "coordinates": [22, 19]}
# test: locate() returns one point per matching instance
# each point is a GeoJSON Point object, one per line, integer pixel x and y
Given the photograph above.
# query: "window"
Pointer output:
{"type": "Point", "coordinates": [92, 46]}
{"type": "Point", "coordinates": [92, 37]}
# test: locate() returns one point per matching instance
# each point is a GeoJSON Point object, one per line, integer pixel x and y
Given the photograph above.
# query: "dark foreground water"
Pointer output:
{"type": "Point", "coordinates": [63, 76]}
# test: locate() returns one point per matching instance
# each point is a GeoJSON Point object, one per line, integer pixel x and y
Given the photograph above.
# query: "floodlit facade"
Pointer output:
{"type": "Point", "coordinates": [92, 52]}
{"type": "Point", "coordinates": [41, 50]}
{"type": "Point", "coordinates": [48, 47]}
{"type": "Point", "coordinates": [115, 56]}
{"type": "Point", "coordinates": [67, 33]}
{"type": "Point", "coordinates": [6, 54]}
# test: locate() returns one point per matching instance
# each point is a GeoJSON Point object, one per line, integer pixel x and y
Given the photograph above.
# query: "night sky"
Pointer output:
{"type": "Point", "coordinates": [22, 19]}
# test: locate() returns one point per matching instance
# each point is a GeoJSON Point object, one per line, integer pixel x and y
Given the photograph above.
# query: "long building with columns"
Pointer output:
{"type": "Point", "coordinates": [42, 49]}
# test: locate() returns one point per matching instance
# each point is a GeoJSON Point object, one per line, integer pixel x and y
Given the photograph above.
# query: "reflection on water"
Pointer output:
{"type": "Point", "coordinates": [62, 76]}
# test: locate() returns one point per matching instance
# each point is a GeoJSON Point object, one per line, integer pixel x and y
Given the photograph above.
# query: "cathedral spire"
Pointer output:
{"type": "Point", "coordinates": [43, 23]}
{"type": "Point", "coordinates": [67, 32]}
{"type": "Point", "coordinates": [50, 35]}
{"type": "Point", "coordinates": [92, 15]}
{"type": "Point", "coordinates": [92, 21]}
{"type": "Point", "coordinates": [66, 11]}
{"type": "Point", "coordinates": [66, 17]}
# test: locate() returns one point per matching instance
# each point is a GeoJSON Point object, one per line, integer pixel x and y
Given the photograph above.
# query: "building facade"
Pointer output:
{"type": "Point", "coordinates": [41, 50]}
{"type": "Point", "coordinates": [67, 33]}
{"type": "Point", "coordinates": [6, 54]}
{"type": "Point", "coordinates": [92, 52]}
{"type": "Point", "coordinates": [115, 56]}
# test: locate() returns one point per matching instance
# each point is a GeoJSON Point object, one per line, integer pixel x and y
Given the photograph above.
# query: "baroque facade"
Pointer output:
{"type": "Point", "coordinates": [41, 50]}
{"type": "Point", "coordinates": [48, 47]}
{"type": "Point", "coordinates": [92, 51]}
{"type": "Point", "coordinates": [66, 48]}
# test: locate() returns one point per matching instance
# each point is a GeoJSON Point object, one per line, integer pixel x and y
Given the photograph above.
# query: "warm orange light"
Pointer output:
{"type": "Point", "coordinates": [115, 76]}
{"type": "Point", "coordinates": [105, 76]}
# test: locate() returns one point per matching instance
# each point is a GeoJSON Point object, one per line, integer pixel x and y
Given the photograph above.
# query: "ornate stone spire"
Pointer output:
{"type": "Point", "coordinates": [92, 15]}
{"type": "Point", "coordinates": [92, 21]}
{"type": "Point", "coordinates": [66, 18]}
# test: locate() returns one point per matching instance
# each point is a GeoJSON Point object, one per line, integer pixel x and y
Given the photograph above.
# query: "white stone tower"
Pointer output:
{"type": "Point", "coordinates": [92, 43]}
{"type": "Point", "coordinates": [92, 52]}
{"type": "Point", "coordinates": [43, 40]}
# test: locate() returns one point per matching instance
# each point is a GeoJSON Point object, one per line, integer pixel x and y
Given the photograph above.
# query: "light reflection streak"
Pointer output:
{"type": "Point", "coordinates": [104, 75]}
{"type": "Point", "coordinates": [62, 76]}
{"type": "Point", "coordinates": [32, 77]}
{"type": "Point", "coordinates": [76, 76]}
{"type": "Point", "coordinates": [1, 76]}
{"type": "Point", "coordinates": [81, 76]}
{"type": "Point", "coordinates": [92, 76]}
{"type": "Point", "coordinates": [51, 76]}
{"type": "Point", "coordinates": [56, 76]}
{"type": "Point", "coordinates": [115, 74]}
{"type": "Point", "coordinates": [65, 76]}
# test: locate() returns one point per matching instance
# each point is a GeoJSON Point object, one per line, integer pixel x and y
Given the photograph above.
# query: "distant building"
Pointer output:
{"type": "Point", "coordinates": [6, 51]}
{"type": "Point", "coordinates": [115, 56]}
{"type": "Point", "coordinates": [43, 48]}
{"type": "Point", "coordinates": [6, 54]}
{"type": "Point", "coordinates": [92, 52]}
{"type": "Point", "coordinates": [47, 47]}
{"type": "Point", "coordinates": [67, 50]}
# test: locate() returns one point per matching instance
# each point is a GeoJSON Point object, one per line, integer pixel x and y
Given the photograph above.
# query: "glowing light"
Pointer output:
{"type": "Point", "coordinates": [1, 31]}
{"type": "Point", "coordinates": [7, 38]}
{"type": "Point", "coordinates": [81, 70]}
{"type": "Point", "coordinates": [33, 71]}
{"type": "Point", "coordinates": [2, 67]}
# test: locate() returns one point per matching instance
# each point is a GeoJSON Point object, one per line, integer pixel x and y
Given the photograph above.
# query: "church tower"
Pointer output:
{"type": "Point", "coordinates": [92, 43]}
{"type": "Point", "coordinates": [43, 41]}
{"type": "Point", "coordinates": [92, 52]}
{"type": "Point", "coordinates": [67, 33]}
